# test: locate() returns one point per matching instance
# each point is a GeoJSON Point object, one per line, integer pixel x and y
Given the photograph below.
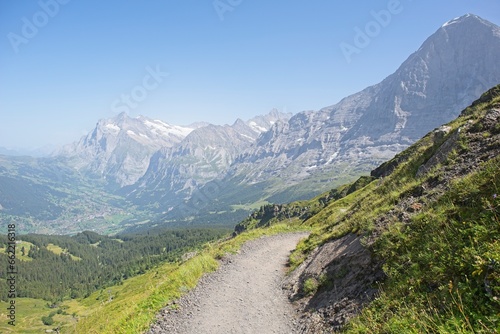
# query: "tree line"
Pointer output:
{"type": "Point", "coordinates": [90, 261]}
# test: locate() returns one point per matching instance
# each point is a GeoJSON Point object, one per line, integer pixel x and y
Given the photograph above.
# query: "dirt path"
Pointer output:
{"type": "Point", "coordinates": [243, 296]}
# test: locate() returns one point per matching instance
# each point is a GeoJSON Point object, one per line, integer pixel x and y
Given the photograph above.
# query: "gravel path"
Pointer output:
{"type": "Point", "coordinates": [243, 296]}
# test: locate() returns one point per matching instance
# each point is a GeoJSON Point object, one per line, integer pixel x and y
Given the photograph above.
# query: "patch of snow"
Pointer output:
{"type": "Point", "coordinates": [132, 133]}
{"type": "Point", "coordinates": [113, 127]}
{"type": "Point", "coordinates": [450, 22]}
{"type": "Point", "coordinates": [256, 127]}
{"type": "Point", "coordinates": [455, 20]}
{"type": "Point", "coordinates": [165, 129]}
{"type": "Point", "coordinates": [334, 155]}
{"type": "Point", "coordinates": [246, 136]}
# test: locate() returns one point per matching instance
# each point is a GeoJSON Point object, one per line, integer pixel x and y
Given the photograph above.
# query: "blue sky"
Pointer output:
{"type": "Point", "coordinates": [65, 64]}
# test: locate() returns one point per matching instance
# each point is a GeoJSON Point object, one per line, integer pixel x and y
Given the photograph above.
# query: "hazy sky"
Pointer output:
{"type": "Point", "coordinates": [65, 64]}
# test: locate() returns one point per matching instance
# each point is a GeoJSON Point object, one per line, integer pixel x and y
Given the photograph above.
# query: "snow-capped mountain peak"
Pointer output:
{"type": "Point", "coordinates": [120, 147]}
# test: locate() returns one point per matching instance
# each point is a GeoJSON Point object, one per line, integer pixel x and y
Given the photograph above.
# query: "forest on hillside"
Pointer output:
{"type": "Point", "coordinates": [55, 268]}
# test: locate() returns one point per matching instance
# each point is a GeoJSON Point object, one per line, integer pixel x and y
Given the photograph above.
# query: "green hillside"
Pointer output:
{"type": "Point", "coordinates": [55, 268]}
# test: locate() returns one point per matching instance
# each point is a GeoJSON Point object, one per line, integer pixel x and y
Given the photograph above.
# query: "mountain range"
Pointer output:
{"type": "Point", "coordinates": [315, 150]}
{"type": "Point", "coordinates": [217, 169]}
{"type": "Point", "coordinates": [176, 172]}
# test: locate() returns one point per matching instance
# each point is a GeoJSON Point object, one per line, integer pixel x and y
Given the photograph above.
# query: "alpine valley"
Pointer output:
{"type": "Point", "coordinates": [383, 212]}
{"type": "Point", "coordinates": [137, 173]}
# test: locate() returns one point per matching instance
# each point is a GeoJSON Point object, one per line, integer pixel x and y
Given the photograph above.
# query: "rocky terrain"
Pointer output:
{"type": "Point", "coordinates": [356, 274]}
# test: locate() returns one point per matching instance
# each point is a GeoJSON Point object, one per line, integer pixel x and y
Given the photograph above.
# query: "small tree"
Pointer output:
{"type": "Point", "coordinates": [47, 321]}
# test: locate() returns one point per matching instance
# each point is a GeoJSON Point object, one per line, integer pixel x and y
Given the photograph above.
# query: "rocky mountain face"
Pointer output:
{"type": "Point", "coordinates": [449, 71]}
{"type": "Point", "coordinates": [119, 149]}
{"type": "Point", "coordinates": [207, 152]}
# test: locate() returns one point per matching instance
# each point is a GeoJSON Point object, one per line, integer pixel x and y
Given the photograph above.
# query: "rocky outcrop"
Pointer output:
{"type": "Point", "coordinates": [343, 276]}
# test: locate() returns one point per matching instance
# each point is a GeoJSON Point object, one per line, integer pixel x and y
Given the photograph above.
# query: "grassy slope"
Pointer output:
{"type": "Point", "coordinates": [28, 316]}
{"type": "Point", "coordinates": [19, 246]}
{"type": "Point", "coordinates": [444, 268]}
{"type": "Point", "coordinates": [58, 251]}
{"type": "Point", "coordinates": [443, 261]}
{"type": "Point", "coordinates": [443, 264]}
